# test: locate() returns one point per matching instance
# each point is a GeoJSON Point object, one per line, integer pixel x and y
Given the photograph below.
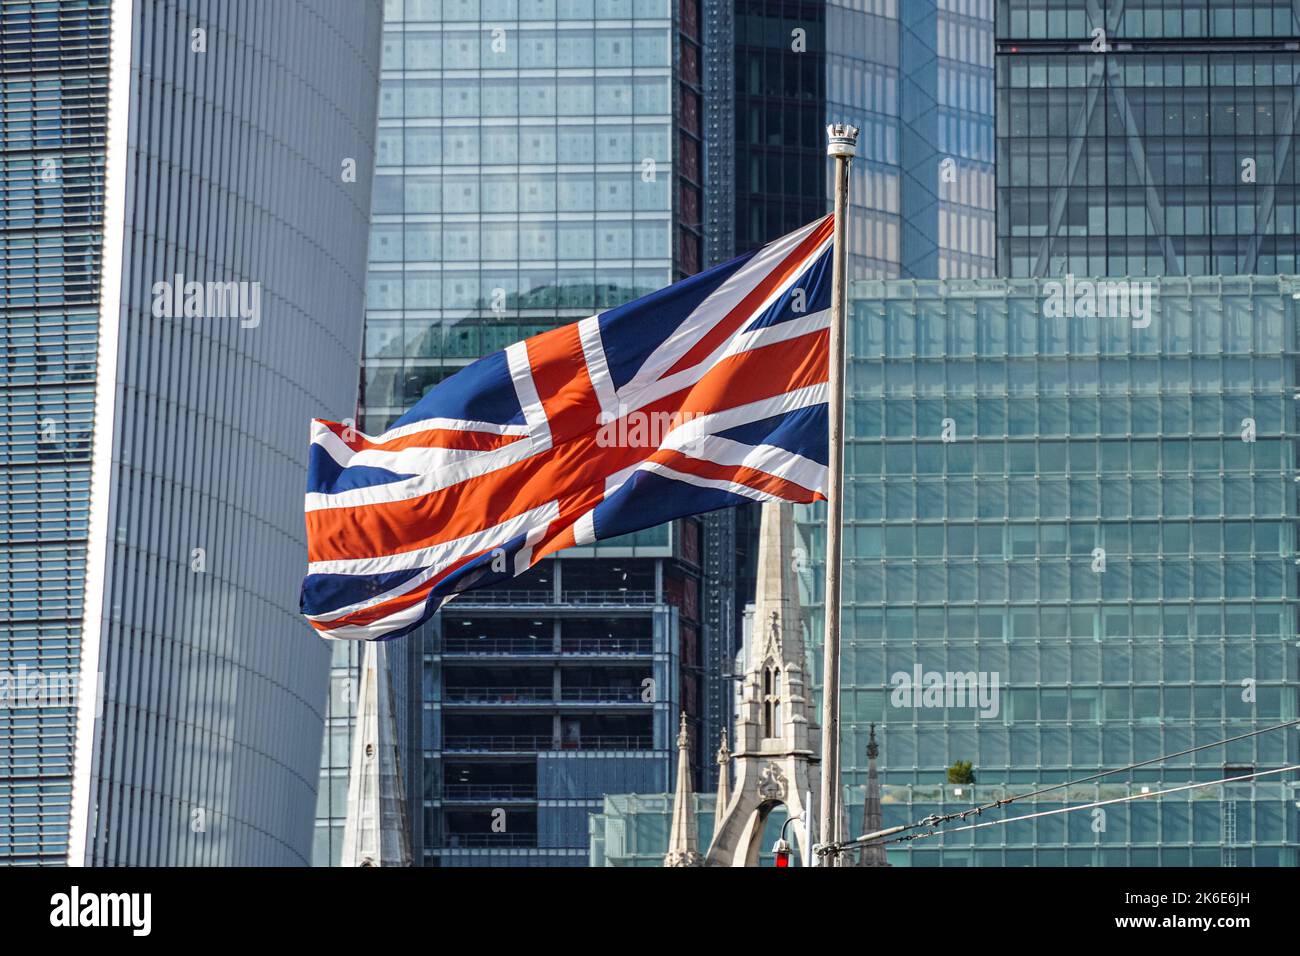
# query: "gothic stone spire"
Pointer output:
{"type": "Point", "coordinates": [724, 776]}
{"type": "Point", "coordinates": [375, 832]}
{"type": "Point", "coordinates": [774, 736]}
{"type": "Point", "coordinates": [684, 839]}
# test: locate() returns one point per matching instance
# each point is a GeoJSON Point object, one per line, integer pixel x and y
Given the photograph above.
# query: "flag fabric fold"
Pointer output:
{"type": "Point", "coordinates": [703, 395]}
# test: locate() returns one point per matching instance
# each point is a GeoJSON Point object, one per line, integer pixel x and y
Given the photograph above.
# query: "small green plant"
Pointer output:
{"type": "Point", "coordinates": [961, 772]}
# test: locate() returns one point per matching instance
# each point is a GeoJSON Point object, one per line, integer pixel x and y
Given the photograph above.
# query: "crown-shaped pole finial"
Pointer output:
{"type": "Point", "coordinates": [842, 139]}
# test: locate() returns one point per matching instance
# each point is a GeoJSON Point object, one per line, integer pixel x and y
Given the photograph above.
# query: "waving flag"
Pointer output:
{"type": "Point", "coordinates": [700, 396]}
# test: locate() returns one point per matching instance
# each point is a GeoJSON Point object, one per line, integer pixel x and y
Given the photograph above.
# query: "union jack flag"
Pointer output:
{"type": "Point", "coordinates": [703, 395]}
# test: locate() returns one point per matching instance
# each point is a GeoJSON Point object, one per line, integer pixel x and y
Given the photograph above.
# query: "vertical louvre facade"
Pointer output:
{"type": "Point", "coordinates": [194, 142]}
{"type": "Point", "coordinates": [54, 76]}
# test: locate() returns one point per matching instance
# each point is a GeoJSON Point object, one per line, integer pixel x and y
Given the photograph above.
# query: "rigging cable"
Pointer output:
{"type": "Point", "coordinates": [1085, 806]}
{"type": "Point", "coordinates": [936, 819]}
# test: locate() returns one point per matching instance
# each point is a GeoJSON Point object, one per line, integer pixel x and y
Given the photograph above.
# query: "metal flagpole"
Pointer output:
{"type": "Point", "coordinates": [842, 147]}
{"type": "Point", "coordinates": [806, 853]}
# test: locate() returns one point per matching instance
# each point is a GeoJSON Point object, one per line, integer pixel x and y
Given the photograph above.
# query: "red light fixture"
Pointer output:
{"type": "Point", "coordinates": [782, 851]}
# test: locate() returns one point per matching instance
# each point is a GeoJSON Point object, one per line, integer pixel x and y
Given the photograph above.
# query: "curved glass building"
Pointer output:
{"type": "Point", "coordinates": [182, 295]}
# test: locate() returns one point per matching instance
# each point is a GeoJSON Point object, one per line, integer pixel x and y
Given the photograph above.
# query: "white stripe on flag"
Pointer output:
{"type": "Point", "coordinates": [791, 401]}
{"type": "Point", "coordinates": [424, 484]}
{"type": "Point", "coordinates": [524, 557]}
{"type": "Point", "coordinates": [593, 350]}
{"type": "Point", "coordinates": [734, 487]}
{"type": "Point", "coordinates": [437, 555]}
{"type": "Point", "coordinates": [414, 461]}
{"type": "Point", "coordinates": [770, 459]}
{"type": "Point", "coordinates": [521, 373]}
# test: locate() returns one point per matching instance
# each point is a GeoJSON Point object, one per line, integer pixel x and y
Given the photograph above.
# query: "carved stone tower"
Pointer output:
{"type": "Point", "coordinates": [776, 737]}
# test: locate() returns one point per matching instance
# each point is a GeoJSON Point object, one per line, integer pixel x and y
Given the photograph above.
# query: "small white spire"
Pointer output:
{"type": "Point", "coordinates": [684, 840]}
{"type": "Point", "coordinates": [724, 776]}
{"type": "Point", "coordinates": [375, 832]}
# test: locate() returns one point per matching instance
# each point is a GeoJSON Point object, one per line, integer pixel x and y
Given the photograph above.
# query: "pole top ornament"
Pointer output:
{"type": "Point", "coordinates": [842, 140]}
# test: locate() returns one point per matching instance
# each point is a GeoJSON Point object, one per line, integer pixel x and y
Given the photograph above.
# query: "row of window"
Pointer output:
{"type": "Point", "coordinates": [1066, 317]}
{"type": "Point", "coordinates": [1019, 258]}
{"type": "Point", "coordinates": [1188, 172]}
{"type": "Point", "coordinates": [1211, 224]}
{"type": "Point", "coordinates": [491, 242]}
{"type": "Point", "coordinates": [528, 96]}
{"type": "Point", "coordinates": [1175, 70]}
{"type": "Point", "coordinates": [569, 143]}
{"type": "Point", "coordinates": [1115, 661]}
{"type": "Point", "coordinates": [957, 420]}
{"type": "Point", "coordinates": [457, 11]}
{"type": "Point", "coordinates": [1077, 498]}
{"type": "Point", "coordinates": [1173, 539]}
{"type": "Point", "coordinates": [622, 191]}
{"type": "Point", "coordinates": [505, 45]}
{"type": "Point", "coordinates": [1180, 113]}
{"type": "Point", "coordinates": [992, 747]}
{"type": "Point", "coordinates": [1092, 704]}
{"type": "Point", "coordinates": [1081, 456]}
{"type": "Point", "coordinates": [873, 581]}
{"type": "Point", "coordinates": [507, 290]}
{"type": "Point", "coordinates": [1153, 628]}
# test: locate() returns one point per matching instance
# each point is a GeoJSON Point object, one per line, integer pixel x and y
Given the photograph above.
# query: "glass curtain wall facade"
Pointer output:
{"type": "Point", "coordinates": [54, 76]}
{"type": "Point", "coordinates": [946, 138]}
{"type": "Point", "coordinates": [633, 829]}
{"type": "Point", "coordinates": [917, 79]}
{"type": "Point", "coordinates": [780, 107]}
{"type": "Point", "coordinates": [538, 161]}
{"type": "Point", "coordinates": [1097, 522]}
{"type": "Point", "coordinates": [1147, 138]}
{"type": "Point", "coordinates": [139, 559]}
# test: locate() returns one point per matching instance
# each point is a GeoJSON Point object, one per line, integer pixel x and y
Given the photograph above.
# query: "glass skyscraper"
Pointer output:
{"type": "Point", "coordinates": [1155, 139]}
{"type": "Point", "coordinates": [1095, 519]}
{"type": "Point", "coordinates": [917, 78]}
{"type": "Point", "coordinates": [538, 161]}
{"type": "Point", "coordinates": [186, 188]}
{"type": "Point", "coordinates": [779, 110]}
{"type": "Point", "coordinates": [55, 64]}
